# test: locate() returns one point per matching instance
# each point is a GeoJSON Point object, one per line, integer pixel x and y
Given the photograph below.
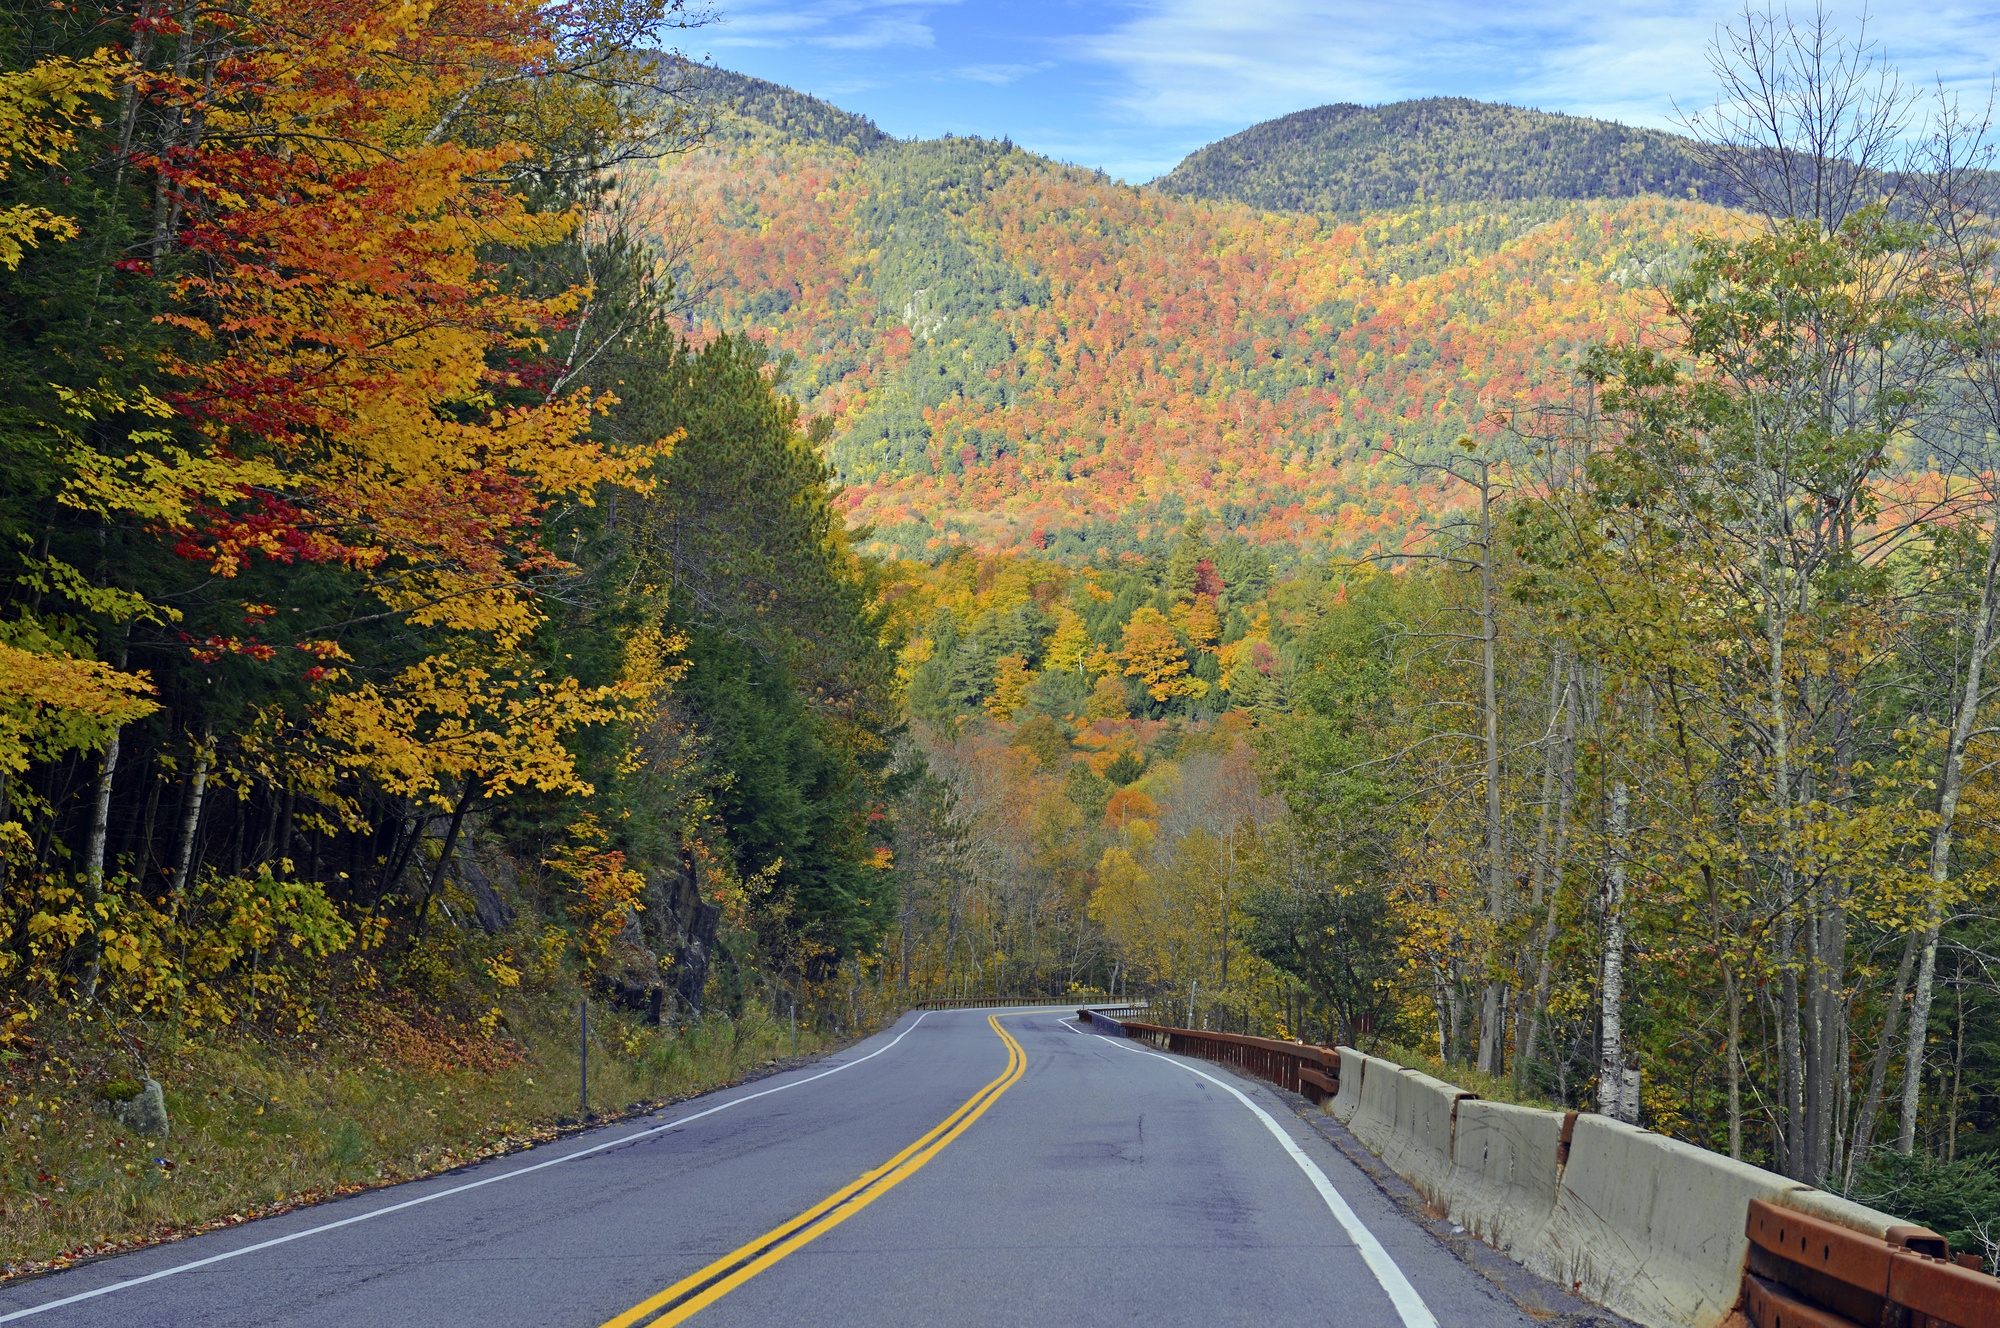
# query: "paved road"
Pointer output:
{"type": "Point", "coordinates": [954, 1170]}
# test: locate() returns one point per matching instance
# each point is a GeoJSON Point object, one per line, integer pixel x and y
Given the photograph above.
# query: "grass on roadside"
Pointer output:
{"type": "Point", "coordinates": [261, 1123]}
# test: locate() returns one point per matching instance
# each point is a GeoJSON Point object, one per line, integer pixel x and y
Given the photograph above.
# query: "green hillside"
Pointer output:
{"type": "Point", "coordinates": [1349, 160]}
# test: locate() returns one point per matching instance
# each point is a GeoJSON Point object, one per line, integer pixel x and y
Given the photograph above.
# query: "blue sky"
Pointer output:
{"type": "Point", "coordinates": [1134, 85]}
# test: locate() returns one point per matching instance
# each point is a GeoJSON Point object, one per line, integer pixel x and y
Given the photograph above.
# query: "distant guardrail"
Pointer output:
{"type": "Point", "coordinates": [991, 1002]}
{"type": "Point", "coordinates": [1312, 1071]}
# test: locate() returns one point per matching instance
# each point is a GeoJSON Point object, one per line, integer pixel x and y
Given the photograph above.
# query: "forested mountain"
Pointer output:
{"type": "Point", "coordinates": [1015, 354]}
{"type": "Point", "coordinates": [745, 109]}
{"type": "Point", "coordinates": [1349, 160]}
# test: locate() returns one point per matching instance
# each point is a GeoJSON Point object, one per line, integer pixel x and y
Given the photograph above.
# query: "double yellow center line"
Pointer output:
{"type": "Point", "coordinates": [699, 1290]}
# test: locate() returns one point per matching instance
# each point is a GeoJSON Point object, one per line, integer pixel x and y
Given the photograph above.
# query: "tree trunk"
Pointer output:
{"type": "Point", "coordinates": [1826, 970]}
{"type": "Point", "coordinates": [93, 873]}
{"type": "Point", "coordinates": [1878, 1071]}
{"type": "Point", "coordinates": [267, 839]}
{"type": "Point", "coordinates": [190, 820]}
{"type": "Point", "coordinates": [1565, 789]}
{"type": "Point", "coordinates": [695, 921]}
{"type": "Point", "coordinates": [183, 131]}
{"type": "Point", "coordinates": [1951, 785]}
{"type": "Point", "coordinates": [1792, 1155]}
{"type": "Point", "coordinates": [1444, 1002]}
{"type": "Point", "coordinates": [1551, 759]}
{"type": "Point", "coordinates": [1913, 1057]}
{"type": "Point", "coordinates": [466, 798]}
{"type": "Point", "coordinates": [1611, 1094]}
{"type": "Point", "coordinates": [1816, 1059]}
{"type": "Point", "coordinates": [1791, 1072]}
{"type": "Point", "coordinates": [1735, 1058]}
{"type": "Point", "coordinates": [1732, 996]}
{"type": "Point", "coordinates": [1490, 1049]}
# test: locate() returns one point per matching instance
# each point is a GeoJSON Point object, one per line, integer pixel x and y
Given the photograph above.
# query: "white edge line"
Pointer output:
{"type": "Point", "coordinates": [1409, 1305]}
{"type": "Point", "coordinates": [456, 1189]}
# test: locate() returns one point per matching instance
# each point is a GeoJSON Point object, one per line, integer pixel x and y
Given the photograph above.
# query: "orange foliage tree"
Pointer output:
{"type": "Point", "coordinates": [348, 373]}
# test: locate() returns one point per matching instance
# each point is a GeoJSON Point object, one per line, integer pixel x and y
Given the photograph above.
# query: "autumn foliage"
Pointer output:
{"type": "Point", "coordinates": [1028, 357]}
{"type": "Point", "coordinates": [311, 318]}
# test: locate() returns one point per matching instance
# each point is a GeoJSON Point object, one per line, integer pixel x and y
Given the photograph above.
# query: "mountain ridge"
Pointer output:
{"type": "Point", "coordinates": [1345, 159]}
{"type": "Point", "coordinates": [1341, 159]}
{"type": "Point", "coordinates": [741, 106]}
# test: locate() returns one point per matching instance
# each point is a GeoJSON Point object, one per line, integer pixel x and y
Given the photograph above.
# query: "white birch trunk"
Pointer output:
{"type": "Point", "coordinates": [1611, 1072]}
{"type": "Point", "coordinates": [1565, 785]}
{"type": "Point", "coordinates": [190, 821]}
{"type": "Point", "coordinates": [1951, 784]}
{"type": "Point", "coordinates": [1490, 1009]}
{"type": "Point", "coordinates": [93, 869]}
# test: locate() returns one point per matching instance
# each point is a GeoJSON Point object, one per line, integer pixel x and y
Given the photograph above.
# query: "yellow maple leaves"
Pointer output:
{"type": "Point", "coordinates": [53, 702]}
{"type": "Point", "coordinates": [605, 892]}
{"type": "Point", "coordinates": [1069, 644]}
{"type": "Point", "coordinates": [40, 109]}
{"type": "Point", "coordinates": [1011, 679]}
{"type": "Point", "coordinates": [444, 724]}
{"type": "Point", "coordinates": [1154, 655]}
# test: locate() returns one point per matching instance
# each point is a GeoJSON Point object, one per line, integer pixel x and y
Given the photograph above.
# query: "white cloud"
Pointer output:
{"type": "Point", "coordinates": [1199, 64]}
{"type": "Point", "coordinates": [875, 33]}
{"type": "Point", "coordinates": [1001, 75]}
{"type": "Point", "coordinates": [841, 25]}
{"type": "Point", "coordinates": [843, 87]}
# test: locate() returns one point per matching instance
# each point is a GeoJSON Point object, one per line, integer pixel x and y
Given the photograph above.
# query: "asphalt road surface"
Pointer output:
{"type": "Point", "coordinates": [961, 1168]}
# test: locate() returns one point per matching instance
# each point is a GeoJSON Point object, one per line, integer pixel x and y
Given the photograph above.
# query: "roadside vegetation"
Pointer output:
{"type": "Point", "coordinates": [406, 630]}
{"type": "Point", "coordinates": [261, 1124]}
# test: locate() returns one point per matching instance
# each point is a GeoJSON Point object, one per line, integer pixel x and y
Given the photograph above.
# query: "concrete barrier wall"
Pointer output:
{"type": "Point", "coordinates": [1505, 1162]}
{"type": "Point", "coordinates": [1374, 1120]}
{"type": "Point", "coordinates": [1651, 1227]}
{"type": "Point", "coordinates": [1353, 1066]}
{"type": "Point", "coordinates": [1647, 1226]}
{"type": "Point", "coordinates": [1419, 1144]}
{"type": "Point", "coordinates": [1841, 1212]}
{"type": "Point", "coordinates": [1104, 1023]}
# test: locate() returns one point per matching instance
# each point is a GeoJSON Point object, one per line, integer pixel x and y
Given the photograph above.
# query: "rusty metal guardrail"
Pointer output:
{"type": "Point", "coordinates": [1312, 1071]}
{"type": "Point", "coordinates": [990, 1002]}
{"type": "Point", "coordinates": [1803, 1272]}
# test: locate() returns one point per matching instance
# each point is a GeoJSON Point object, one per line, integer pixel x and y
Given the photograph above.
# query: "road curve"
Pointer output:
{"type": "Point", "coordinates": [961, 1168]}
